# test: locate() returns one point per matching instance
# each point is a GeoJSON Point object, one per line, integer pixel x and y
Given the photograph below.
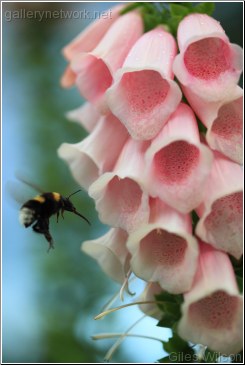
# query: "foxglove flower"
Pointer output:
{"type": "Point", "coordinates": [86, 41]}
{"type": "Point", "coordinates": [208, 63]}
{"type": "Point", "coordinates": [177, 164]}
{"type": "Point", "coordinates": [224, 122]}
{"type": "Point", "coordinates": [212, 309]}
{"type": "Point", "coordinates": [144, 94]}
{"type": "Point", "coordinates": [86, 115]}
{"type": "Point", "coordinates": [92, 157]}
{"type": "Point", "coordinates": [111, 253]}
{"type": "Point", "coordinates": [95, 70]}
{"type": "Point", "coordinates": [221, 212]}
{"type": "Point", "coordinates": [120, 197]}
{"type": "Point", "coordinates": [164, 249]}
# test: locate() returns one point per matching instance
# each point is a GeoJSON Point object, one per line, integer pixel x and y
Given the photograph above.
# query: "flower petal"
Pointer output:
{"type": "Point", "coordinates": [212, 309]}
{"type": "Point", "coordinates": [177, 164]}
{"type": "Point", "coordinates": [221, 213]}
{"type": "Point", "coordinates": [86, 115]}
{"type": "Point", "coordinates": [91, 157]}
{"type": "Point", "coordinates": [144, 94]}
{"type": "Point", "coordinates": [164, 249]}
{"type": "Point", "coordinates": [119, 196]}
{"type": "Point", "coordinates": [207, 63]}
{"type": "Point", "coordinates": [111, 253]}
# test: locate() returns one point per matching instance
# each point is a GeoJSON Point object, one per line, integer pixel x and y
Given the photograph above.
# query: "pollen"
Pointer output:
{"type": "Point", "coordinates": [56, 196]}
{"type": "Point", "coordinates": [39, 198]}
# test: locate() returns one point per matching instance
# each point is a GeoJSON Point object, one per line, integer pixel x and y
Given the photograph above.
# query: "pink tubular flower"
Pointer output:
{"type": "Point", "coordinates": [91, 157]}
{"type": "Point", "coordinates": [86, 115]}
{"type": "Point", "coordinates": [224, 121]}
{"type": "Point", "coordinates": [177, 164]}
{"type": "Point", "coordinates": [208, 64]}
{"type": "Point", "coordinates": [212, 309]}
{"type": "Point", "coordinates": [152, 310]}
{"type": "Point", "coordinates": [164, 249]}
{"type": "Point", "coordinates": [111, 253]}
{"type": "Point", "coordinates": [144, 94]}
{"type": "Point", "coordinates": [119, 196]}
{"type": "Point", "coordinates": [86, 41]}
{"type": "Point", "coordinates": [94, 70]}
{"type": "Point", "coordinates": [221, 213]}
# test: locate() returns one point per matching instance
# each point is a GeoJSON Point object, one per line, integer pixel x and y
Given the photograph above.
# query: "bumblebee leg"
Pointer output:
{"type": "Point", "coordinates": [42, 226]}
{"type": "Point", "coordinates": [62, 213]}
{"type": "Point", "coordinates": [57, 215]}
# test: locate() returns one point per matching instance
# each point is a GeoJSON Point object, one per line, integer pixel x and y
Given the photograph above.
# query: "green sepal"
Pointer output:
{"type": "Point", "coordinates": [205, 8]}
{"type": "Point", "coordinates": [179, 350]}
{"type": "Point", "coordinates": [239, 281]}
{"type": "Point", "coordinates": [177, 10]}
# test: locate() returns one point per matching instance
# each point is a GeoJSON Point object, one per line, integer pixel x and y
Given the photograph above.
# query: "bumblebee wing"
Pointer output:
{"type": "Point", "coordinates": [25, 180]}
{"type": "Point", "coordinates": [17, 194]}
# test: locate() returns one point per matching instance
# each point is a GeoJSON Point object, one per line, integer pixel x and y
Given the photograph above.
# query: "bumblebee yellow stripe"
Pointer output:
{"type": "Point", "coordinates": [39, 198]}
{"type": "Point", "coordinates": [56, 196]}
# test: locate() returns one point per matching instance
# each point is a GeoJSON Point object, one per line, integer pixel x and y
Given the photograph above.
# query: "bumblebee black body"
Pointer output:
{"type": "Point", "coordinates": [38, 210]}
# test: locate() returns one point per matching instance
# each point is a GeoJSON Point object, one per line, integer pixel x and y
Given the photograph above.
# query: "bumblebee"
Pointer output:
{"type": "Point", "coordinates": [39, 209]}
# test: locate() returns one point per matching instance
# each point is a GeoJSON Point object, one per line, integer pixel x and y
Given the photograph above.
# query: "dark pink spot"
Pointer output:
{"type": "Point", "coordinates": [216, 311]}
{"type": "Point", "coordinates": [208, 58]}
{"type": "Point", "coordinates": [164, 248]}
{"type": "Point", "coordinates": [175, 162]}
{"type": "Point", "coordinates": [144, 90]}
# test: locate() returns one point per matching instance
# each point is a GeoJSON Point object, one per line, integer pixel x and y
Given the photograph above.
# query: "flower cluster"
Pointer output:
{"type": "Point", "coordinates": [148, 167]}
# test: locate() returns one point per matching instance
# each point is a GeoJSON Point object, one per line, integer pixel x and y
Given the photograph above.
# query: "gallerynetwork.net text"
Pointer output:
{"type": "Point", "coordinates": [41, 15]}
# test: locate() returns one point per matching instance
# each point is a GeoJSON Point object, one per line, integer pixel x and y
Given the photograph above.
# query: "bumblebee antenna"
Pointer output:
{"type": "Point", "coordinates": [73, 193]}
